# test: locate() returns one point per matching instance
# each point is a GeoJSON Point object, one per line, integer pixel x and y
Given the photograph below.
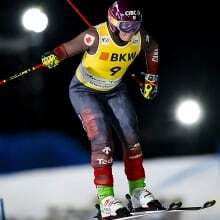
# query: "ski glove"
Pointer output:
{"type": "Point", "coordinates": [150, 88]}
{"type": "Point", "coordinates": [50, 60]}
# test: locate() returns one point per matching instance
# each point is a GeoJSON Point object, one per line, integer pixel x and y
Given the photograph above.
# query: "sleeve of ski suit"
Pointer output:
{"type": "Point", "coordinates": [151, 50]}
{"type": "Point", "coordinates": [87, 40]}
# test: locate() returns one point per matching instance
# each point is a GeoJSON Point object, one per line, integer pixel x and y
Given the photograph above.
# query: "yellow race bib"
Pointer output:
{"type": "Point", "coordinates": [104, 70]}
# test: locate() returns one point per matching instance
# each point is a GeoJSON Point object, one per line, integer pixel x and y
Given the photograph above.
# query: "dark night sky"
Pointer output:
{"type": "Point", "coordinates": [188, 36]}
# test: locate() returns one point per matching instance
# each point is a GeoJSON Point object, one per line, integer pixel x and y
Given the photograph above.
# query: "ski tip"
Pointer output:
{"type": "Point", "coordinates": [209, 204]}
{"type": "Point", "coordinates": [175, 205]}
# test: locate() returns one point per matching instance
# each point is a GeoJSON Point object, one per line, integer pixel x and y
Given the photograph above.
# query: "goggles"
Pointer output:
{"type": "Point", "coordinates": [126, 26]}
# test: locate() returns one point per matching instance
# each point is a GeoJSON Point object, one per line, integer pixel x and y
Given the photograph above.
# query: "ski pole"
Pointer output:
{"type": "Point", "coordinates": [73, 6]}
{"type": "Point", "coordinates": [2, 212]}
{"type": "Point", "coordinates": [39, 66]}
{"type": "Point", "coordinates": [134, 77]}
{"type": "Point", "coordinates": [17, 75]}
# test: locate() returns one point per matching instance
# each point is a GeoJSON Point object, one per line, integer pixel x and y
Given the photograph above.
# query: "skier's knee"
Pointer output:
{"type": "Point", "coordinates": [133, 152]}
{"type": "Point", "coordinates": [101, 155]}
{"type": "Point", "coordinates": [102, 163]}
{"type": "Point", "coordinates": [131, 138]}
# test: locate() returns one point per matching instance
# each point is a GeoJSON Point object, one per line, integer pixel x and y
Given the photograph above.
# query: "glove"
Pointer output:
{"type": "Point", "coordinates": [50, 60]}
{"type": "Point", "coordinates": [150, 88]}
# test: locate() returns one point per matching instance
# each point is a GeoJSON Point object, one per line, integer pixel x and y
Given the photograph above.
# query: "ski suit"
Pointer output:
{"type": "Point", "coordinates": [100, 98]}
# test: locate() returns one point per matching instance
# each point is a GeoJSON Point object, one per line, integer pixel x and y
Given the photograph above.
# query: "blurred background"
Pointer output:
{"type": "Point", "coordinates": [44, 152]}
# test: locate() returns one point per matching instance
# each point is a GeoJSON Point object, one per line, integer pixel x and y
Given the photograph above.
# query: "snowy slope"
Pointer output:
{"type": "Point", "coordinates": [192, 179]}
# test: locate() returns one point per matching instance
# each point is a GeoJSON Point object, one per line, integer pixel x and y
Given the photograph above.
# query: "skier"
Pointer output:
{"type": "Point", "coordinates": [100, 98]}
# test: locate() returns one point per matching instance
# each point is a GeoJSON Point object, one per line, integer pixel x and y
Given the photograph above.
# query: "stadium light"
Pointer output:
{"type": "Point", "coordinates": [34, 20]}
{"type": "Point", "coordinates": [188, 112]}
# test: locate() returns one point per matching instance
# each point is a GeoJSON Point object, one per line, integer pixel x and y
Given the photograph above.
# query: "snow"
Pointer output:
{"type": "Point", "coordinates": [193, 179]}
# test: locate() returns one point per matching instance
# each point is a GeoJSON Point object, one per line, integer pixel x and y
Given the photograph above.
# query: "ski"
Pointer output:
{"type": "Point", "coordinates": [176, 207]}
{"type": "Point", "coordinates": [173, 207]}
{"type": "Point", "coordinates": [121, 218]}
{"type": "Point", "coordinates": [205, 205]}
{"type": "Point", "coordinates": [134, 214]}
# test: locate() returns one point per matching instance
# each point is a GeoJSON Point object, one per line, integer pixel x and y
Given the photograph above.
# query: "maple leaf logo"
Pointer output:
{"type": "Point", "coordinates": [89, 39]}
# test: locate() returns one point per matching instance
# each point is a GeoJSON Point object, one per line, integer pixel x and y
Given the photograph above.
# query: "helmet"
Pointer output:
{"type": "Point", "coordinates": [124, 16]}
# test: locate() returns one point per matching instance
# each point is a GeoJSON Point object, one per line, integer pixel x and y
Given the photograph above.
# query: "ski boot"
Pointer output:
{"type": "Point", "coordinates": [142, 200]}
{"type": "Point", "coordinates": [111, 208]}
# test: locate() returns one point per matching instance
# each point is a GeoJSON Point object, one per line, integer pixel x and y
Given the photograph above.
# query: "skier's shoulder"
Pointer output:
{"type": "Point", "coordinates": [90, 36]}
{"type": "Point", "coordinates": [145, 35]}
{"type": "Point", "coordinates": [92, 31]}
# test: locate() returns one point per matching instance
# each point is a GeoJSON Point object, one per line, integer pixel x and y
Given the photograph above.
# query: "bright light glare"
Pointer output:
{"type": "Point", "coordinates": [188, 112]}
{"type": "Point", "coordinates": [35, 20]}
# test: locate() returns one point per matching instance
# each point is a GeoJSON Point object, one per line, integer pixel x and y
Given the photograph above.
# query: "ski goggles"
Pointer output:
{"type": "Point", "coordinates": [127, 26]}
